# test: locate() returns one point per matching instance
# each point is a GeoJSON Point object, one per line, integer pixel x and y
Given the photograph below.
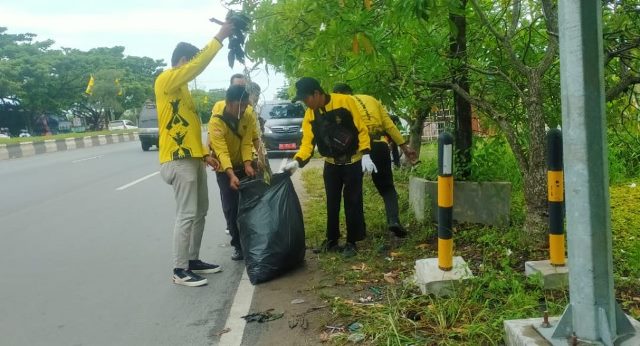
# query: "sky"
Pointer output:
{"type": "Point", "coordinates": [150, 28]}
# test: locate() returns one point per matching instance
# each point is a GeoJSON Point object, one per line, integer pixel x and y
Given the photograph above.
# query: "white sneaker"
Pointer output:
{"type": "Point", "coordinates": [227, 231]}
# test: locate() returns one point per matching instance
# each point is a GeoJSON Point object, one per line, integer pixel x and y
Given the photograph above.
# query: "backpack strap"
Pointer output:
{"type": "Point", "coordinates": [233, 127]}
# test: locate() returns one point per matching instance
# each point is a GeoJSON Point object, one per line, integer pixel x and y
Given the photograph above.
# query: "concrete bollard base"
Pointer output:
{"type": "Point", "coordinates": [433, 280]}
{"type": "Point", "coordinates": [552, 277]}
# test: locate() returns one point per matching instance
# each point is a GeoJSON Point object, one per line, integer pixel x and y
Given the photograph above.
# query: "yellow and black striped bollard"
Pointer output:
{"type": "Point", "coordinates": [445, 201]}
{"type": "Point", "coordinates": [555, 189]}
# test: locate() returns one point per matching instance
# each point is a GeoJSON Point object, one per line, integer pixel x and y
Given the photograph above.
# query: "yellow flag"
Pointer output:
{"type": "Point", "coordinates": [118, 87]}
{"type": "Point", "coordinates": [89, 89]}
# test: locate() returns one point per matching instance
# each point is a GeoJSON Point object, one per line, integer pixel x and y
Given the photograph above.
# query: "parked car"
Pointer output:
{"type": "Point", "coordinates": [282, 126]}
{"type": "Point", "coordinates": [24, 133]}
{"type": "Point", "coordinates": [148, 126]}
{"type": "Point", "coordinates": [121, 124]}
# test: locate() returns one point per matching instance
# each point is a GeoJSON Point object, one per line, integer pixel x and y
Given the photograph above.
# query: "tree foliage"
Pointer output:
{"type": "Point", "coordinates": [398, 51]}
{"type": "Point", "coordinates": [43, 80]}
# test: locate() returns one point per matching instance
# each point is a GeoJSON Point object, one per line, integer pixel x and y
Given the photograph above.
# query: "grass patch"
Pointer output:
{"type": "Point", "coordinates": [61, 136]}
{"type": "Point", "coordinates": [374, 287]}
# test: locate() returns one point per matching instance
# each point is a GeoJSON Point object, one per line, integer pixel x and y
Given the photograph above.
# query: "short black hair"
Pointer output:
{"type": "Point", "coordinates": [183, 50]}
{"type": "Point", "coordinates": [342, 88]}
{"type": "Point", "coordinates": [237, 75]}
{"type": "Point", "coordinates": [237, 93]}
{"type": "Point", "coordinates": [306, 86]}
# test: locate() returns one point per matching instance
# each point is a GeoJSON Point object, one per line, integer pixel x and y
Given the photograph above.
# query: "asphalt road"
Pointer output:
{"type": "Point", "coordinates": [84, 263]}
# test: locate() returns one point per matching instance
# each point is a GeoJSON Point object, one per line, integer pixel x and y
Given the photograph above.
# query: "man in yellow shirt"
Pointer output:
{"type": "Point", "coordinates": [334, 124]}
{"type": "Point", "coordinates": [379, 125]}
{"type": "Point", "coordinates": [230, 135]}
{"type": "Point", "coordinates": [218, 108]}
{"type": "Point", "coordinates": [182, 154]}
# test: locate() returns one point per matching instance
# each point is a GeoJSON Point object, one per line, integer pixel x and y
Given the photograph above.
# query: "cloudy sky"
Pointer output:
{"type": "Point", "coordinates": [149, 28]}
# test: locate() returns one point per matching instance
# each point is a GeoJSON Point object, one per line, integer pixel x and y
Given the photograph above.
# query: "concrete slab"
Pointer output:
{"type": "Point", "coordinates": [523, 333]}
{"type": "Point", "coordinates": [553, 277]}
{"type": "Point", "coordinates": [433, 280]}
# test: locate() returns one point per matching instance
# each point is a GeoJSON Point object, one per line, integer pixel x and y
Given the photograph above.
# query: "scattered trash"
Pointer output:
{"type": "Point", "coordinates": [356, 338]}
{"type": "Point", "coordinates": [299, 320]}
{"type": "Point", "coordinates": [509, 252]}
{"type": "Point", "coordinates": [264, 316]}
{"type": "Point", "coordinates": [395, 254]}
{"type": "Point", "coordinates": [375, 290]}
{"type": "Point", "coordinates": [312, 309]}
{"type": "Point", "coordinates": [226, 330]}
{"type": "Point", "coordinates": [355, 326]}
{"type": "Point", "coordinates": [633, 185]}
{"type": "Point", "coordinates": [422, 246]}
{"type": "Point", "coordinates": [367, 299]}
{"type": "Point", "coordinates": [297, 301]}
{"type": "Point", "coordinates": [390, 277]}
{"type": "Point", "coordinates": [361, 267]}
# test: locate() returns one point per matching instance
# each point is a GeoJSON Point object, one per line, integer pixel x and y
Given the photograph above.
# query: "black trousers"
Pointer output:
{"type": "Point", "coordinates": [383, 180]}
{"type": "Point", "coordinates": [344, 181]}
{"type": "Point", "coordinates": [230, 198]}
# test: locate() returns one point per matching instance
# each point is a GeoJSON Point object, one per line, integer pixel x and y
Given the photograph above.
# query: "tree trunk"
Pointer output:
{"type": "Point", "coordinates": [415, 132]}
{"type": "Point", "coordinates": [535, 179]}
{"type": "Point", "coordinates": [462, 108]}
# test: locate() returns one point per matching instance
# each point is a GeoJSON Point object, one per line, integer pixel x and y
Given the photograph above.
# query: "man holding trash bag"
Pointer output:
{"type": "Point", "coordinates": [334, 124]}
{"type": "Point", "coordinates": [230, 136]}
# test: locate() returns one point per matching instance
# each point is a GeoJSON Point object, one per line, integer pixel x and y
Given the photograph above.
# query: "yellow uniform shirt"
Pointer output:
{"type": "Point", "coordinates": [218, 108]}
{"type": "Point", "coordinates": [336, 102]}
{"type": "Point", "coordinates": [179, 125]}
{"type": "Point", "coordinates": [232, 148]}
{"type": "Point", "coordinates": [377, 119]}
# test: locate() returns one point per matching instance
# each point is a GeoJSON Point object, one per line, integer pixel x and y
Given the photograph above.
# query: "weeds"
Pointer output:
{"type": "Point", "coordinates": [398, 314]}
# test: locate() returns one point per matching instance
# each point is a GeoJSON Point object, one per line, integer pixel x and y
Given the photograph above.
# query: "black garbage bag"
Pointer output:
{"type": "Point", "coordinates": [271, 227]}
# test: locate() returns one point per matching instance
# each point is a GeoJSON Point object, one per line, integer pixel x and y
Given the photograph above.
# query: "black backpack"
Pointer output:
{"type": "Point", "coordinates": [335, 133]}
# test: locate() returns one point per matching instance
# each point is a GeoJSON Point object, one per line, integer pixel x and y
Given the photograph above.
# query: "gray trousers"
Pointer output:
{"type": "Point", "coordinates": [189, 180]}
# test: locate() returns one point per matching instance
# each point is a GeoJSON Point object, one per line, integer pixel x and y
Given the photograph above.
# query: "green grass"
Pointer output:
{"type": "Point", "coordinates": [474, 314]}
{"type": "Point", "coordinates": [60, 136]}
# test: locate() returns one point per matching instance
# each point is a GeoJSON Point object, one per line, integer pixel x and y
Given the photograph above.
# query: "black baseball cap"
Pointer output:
{"type": "Point", "coordinates": [305, 86]}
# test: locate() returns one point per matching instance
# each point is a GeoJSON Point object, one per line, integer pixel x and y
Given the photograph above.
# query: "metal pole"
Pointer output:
{"type": "Point", "coordinates": [445, 201]}
{"type": "Point", "coordinates": [592, 314]}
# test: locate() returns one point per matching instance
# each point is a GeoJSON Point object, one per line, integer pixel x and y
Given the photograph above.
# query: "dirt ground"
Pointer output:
{"type": "Point", "coordinates": [302, 322]}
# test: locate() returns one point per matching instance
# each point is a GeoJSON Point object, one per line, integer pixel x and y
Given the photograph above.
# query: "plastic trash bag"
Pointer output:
{"type": "Point", "coordinates": [271, 227]}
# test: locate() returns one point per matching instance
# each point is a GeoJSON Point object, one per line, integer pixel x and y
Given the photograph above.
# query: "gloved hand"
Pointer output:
{"type": "Point", "coordinates": [367, 165]}
{"type": "Point", "coordinates": [291, 166]}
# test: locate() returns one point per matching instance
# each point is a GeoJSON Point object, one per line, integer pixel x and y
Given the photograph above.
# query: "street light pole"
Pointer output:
{"type": "Point", "coordinates": [592, 315]}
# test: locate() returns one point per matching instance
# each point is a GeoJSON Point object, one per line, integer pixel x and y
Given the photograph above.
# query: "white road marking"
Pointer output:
{"type": "Point", "coordinates": [87, 159]}
{"type": "Point", "coordinates": [240, 307]}
{"type": "Point", "coordinates": [136, 181]}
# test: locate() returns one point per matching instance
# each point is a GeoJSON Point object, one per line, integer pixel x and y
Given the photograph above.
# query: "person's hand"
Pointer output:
{"type": "Point", "coordinates": [292, 166]}
{"type": "Point", "coordinates": [411, 154]}
{"type": "Point", "coordinates": [367, 165]}
{"type": "Point", "coordinates": [225, 31]}
{"type": "Point", "coordinates": [234, 182]}
{"type": "Point", "coordinates": [248, 169]}
{"type": "Point", "coordinates": [212, 162]}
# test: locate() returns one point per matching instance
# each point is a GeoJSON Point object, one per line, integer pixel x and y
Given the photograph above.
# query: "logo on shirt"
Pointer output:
{"type": "Point", "coordinates": [178, 127]}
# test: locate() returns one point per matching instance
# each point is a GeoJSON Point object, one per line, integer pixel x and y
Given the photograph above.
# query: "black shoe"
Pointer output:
{"type": "Point", "coordinates": [349, 250]}
{"type": "Point", "coordinates": [237, 254]}
{"type": "Point", "coordinates": [186, 277]}
{"type": "Point", "coordinates": [199, 267]}
{"type": "Point", "coordinates": [398, 230]}
{"type": "Point", "coordinates": [328, 246]}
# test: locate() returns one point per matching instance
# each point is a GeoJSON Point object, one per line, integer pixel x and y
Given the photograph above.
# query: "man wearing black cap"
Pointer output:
{"type": "Point", "coordinates": [380, 125]}
{"type": "Point", "coordinates": [333, 123]}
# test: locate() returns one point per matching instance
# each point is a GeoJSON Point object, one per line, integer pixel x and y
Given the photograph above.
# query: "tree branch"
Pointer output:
{"type": "Point", "coordinates": [615, 91]}
{"type": "Point", "coordinates": [503, 41]}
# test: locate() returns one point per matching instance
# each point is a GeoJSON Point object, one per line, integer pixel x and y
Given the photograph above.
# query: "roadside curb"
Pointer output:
{"type": "Point", "coordinates": [24, 149]}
